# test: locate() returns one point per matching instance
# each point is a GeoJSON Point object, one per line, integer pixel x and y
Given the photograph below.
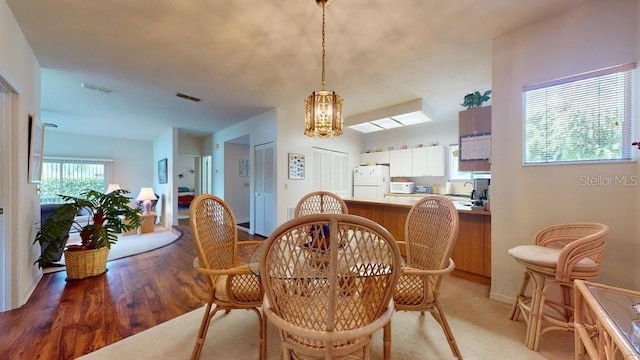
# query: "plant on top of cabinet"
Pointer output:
{"type": "Point", "coordinates": [475, 99]}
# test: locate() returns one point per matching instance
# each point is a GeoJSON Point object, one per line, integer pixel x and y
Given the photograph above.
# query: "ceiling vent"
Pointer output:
{"type": "Point", "coordinates": [96, 88]}
{"type": "Point", "coordinates": [184, 96]}
{"type": "Point", "coordinates": [405, 114]}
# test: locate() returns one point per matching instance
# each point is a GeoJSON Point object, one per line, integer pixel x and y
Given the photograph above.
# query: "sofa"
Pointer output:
{"type": "Point", "coordinates": [46, 210]}
{"type": "Point", "coordinates": [82, 217]}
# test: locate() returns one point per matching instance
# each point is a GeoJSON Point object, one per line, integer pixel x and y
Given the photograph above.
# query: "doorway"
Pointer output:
{"type": "Point", "coordinates": [207, 175]}
{"type": "Point", "coordinates": [188, 183]}
{"type": "Point", "coordinates": [264, 182]}
{"type": "Point", "coordinates": [237, 179]}
{"type": "Point", "coordinates": [6, 263]}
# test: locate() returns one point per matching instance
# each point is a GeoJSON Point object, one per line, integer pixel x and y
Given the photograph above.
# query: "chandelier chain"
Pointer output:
{"type": "Point", "coordinates": [323, 109]}
{"type": "Point", "coordinates": [323, 51]}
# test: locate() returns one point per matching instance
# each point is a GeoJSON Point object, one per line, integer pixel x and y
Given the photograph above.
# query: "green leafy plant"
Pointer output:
{"type": "Point", "coordinates": [105, 221]}
{"type": "Point", "coordinates": [475, 99]}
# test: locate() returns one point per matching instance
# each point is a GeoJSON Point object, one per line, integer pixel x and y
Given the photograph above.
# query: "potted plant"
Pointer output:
{"type": "Point", "coordinates": [109, 214]}
{"type": "Point", "coordinates": [475, 99]}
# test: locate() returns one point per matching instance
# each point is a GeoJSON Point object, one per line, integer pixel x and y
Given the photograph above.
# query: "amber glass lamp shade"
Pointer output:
{"type": "Point", "coordinates": [323, 114]}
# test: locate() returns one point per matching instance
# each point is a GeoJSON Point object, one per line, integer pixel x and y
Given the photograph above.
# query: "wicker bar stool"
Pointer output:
{"type": "Point", "coordinates": [561, 254]}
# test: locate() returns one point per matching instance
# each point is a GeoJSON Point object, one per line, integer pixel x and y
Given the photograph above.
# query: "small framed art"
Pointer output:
{"type": "Point", "coordinates": [296, 166]}
{"type": "Point", "coordinates": [244, 167]}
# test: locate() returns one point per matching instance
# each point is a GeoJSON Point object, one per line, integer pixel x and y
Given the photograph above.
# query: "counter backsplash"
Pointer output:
{"type": "Point", "coordinates": [437, 185]}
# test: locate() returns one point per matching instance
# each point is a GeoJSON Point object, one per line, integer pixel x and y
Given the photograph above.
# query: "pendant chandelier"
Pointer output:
{"type": "Point", "coordinates": [323, 109]}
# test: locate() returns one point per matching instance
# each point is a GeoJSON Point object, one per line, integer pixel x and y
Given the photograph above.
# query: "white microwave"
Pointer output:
{"type": "Point", "coordinates": [405, 187]}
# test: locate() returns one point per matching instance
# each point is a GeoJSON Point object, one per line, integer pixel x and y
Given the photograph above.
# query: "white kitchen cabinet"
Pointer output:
{"type": "Point", "coordinates": [435, 160]}
{"type": "Point", "coordinates": [417, 162]}
{"type": "Point", "coordinates": [401, 162]}
{"type": "Point", "coordinates": [420, 161]}
{"type": "Point", "coordinates": [378, 157]}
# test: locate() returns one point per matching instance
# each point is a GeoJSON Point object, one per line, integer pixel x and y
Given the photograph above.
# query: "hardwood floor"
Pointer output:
{"type": "Point", "coordinates": [67, 319]}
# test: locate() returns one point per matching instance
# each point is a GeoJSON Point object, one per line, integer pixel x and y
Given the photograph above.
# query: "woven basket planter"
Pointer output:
{"type": "Point", "coordinates": [85, 263]}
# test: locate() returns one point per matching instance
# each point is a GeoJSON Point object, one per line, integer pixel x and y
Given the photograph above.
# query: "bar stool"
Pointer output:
{"type": "Point", "coordinates": [561, 254]}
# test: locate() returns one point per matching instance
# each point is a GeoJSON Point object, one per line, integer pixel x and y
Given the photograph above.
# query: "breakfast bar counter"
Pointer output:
{"type": "Point", "coordinates": [472, 253]}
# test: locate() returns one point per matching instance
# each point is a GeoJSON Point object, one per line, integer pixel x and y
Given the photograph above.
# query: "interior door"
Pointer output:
{"type": "Point", "coordinates": [5, 259]}
{"type": "Point", "coordinates": [206, 175]}
{"type": "Point", "coordinates": [264, 204]}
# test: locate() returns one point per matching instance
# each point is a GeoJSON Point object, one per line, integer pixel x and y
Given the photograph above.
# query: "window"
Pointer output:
{"type": "Point", "coordinates": [71, 176]}
{"type": "Point", "coordinates": [454, 173]}
{"type": "Point", "coordinates": [583, 118]}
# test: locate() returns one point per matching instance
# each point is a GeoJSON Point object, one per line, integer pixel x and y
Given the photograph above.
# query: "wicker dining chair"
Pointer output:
{"type": "Point", "coordinates": [431, 231]}
{"type": "Point", "coordinates": [232, 285]}
{"type": "Point", "coordinates": [561, 254]}
{"type": "Point", "coordinates": [320, 202]}
{"type": "Point", "coordinates": [328, 297]}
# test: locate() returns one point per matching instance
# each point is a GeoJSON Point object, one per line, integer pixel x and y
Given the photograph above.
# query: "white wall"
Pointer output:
{"type": "Point", "coordinates": [443, 132]}
{"type": "Point", "coordinates": [236, 187]}
{"type": "Point", "coordinates": [21, 71]}
{"type": "Point", "coordinates": [289, 124]}
{"type": "Point", "coordinates": [133, 159]}
{"type": "Point", "coordinates": [526, 199]}
{"type": "Point", "coordinates": [190, 149]}
{"type": "Point", "coordinates": [165, 146]}
{"type": "Point", "coordinates": [188, 144]}
{"type": "Point", "coordinates": [291, 139]}
{"type": "Point", "coordinates": [188, 166]}
{"type": "Point", "coordinates": [261, 130]}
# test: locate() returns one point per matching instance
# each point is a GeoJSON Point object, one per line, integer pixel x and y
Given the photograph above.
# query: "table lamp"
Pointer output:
{"type": "Point", "coordinates": [146, 195]}
{"type": "Point", "coordinates": [112, 188]}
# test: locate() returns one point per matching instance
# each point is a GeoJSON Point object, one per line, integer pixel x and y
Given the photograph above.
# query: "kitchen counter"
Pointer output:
{"type": "Point", "coordinates": [407, 201]}
{"type": "Point", "coordinates": [472, 253]}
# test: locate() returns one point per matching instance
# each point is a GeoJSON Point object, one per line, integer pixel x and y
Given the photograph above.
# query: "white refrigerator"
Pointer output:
{"type": "Point", "coordinates": [370, 182]}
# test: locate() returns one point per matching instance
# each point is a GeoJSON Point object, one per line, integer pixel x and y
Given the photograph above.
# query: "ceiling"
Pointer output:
{"type": "Point", "coordinates": [243, 57]}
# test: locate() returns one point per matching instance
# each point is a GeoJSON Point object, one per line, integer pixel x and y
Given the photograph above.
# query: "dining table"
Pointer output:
{"type": "Point", "coordinates": [313, 259]}
{"type": "Point", "coordinates": [607, 322]}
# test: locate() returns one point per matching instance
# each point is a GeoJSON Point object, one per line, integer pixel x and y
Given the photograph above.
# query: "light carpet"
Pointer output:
{"type": "Point", "coordinates": [128, 245]}
{"type": "Point", "coordinates": [481, 327]}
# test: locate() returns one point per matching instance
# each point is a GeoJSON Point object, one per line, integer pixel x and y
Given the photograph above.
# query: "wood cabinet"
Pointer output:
{"type": "Point", "coordinates": [472, 252]}
{"type": "Point", "coordinates": [392, 217]}
{"type": "Point", "coordinates": [378, 157]}
{"type": "Point", "coordinates": [416, 162]}
{"type": "Point", "coordinates": [473, 122]}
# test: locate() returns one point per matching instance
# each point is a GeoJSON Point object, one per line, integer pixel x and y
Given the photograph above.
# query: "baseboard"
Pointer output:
{"type": "Point", "coordinates": [501, 298]}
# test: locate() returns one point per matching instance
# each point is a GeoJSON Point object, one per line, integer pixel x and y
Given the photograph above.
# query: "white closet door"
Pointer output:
{"type": "Point", "coordinates": [264, 209]}
{"type": "Point", "coordinates": [331, 171]}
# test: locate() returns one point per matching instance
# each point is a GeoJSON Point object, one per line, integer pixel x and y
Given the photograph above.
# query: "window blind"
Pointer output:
{"type": "Point", "coordinates": [583, 118]}
{"type": "Point", "coordinates": [69, 176]}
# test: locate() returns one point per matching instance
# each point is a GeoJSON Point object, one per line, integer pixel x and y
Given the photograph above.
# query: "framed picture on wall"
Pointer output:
{"type": "Point", "coordinates": [162, 171]}
{"type": "Point", "coordinates": [36, 143]}
{"type": "Point", "coordinates": [296, 166]}
{"type": "Point", "coordinates": [244, 167]}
